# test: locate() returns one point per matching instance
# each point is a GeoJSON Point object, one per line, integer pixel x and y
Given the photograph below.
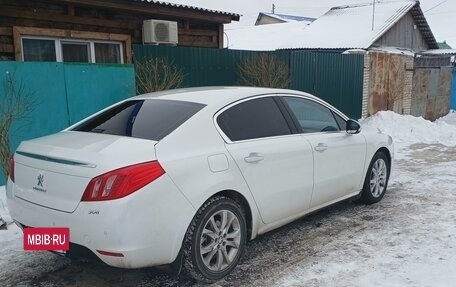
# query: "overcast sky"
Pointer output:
{"type": "Point", "coordinates": [438, 12]}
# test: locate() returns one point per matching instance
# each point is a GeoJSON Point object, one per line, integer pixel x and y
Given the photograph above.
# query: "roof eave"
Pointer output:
{"type": "Point", "coordinates": [423, 26]}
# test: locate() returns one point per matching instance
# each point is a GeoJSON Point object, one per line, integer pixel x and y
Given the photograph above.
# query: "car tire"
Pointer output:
{"type": "Point", "coordinates": [376, 180]}
{"type": "Point", "coordinates": [215, 240]}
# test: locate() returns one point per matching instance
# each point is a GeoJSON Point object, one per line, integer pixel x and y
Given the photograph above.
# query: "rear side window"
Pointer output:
{"type": "Point", "coordinates": [253, 119]}
{"type": "Point", "coordinates": [147, 119]}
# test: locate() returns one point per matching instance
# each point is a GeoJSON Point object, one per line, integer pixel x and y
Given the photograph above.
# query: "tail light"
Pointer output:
{"type": "Point", "coordinates": [122, 182]}
{"type": "Point", "coordinates": [11, 168]}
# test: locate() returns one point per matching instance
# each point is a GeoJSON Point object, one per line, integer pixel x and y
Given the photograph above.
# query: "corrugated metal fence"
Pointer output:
{"type": "Point", "coordinates": [334, 77]}
{"type": "Point", "coordinates": [65, 93]}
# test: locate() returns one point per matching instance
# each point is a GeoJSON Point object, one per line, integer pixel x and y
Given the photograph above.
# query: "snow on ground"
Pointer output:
{"type": "Point", "coordinates": [408, 239]}
{"type": "Point", "coordinates": [407, 130]}
{"type": "Point", "coordinates": [13, 232]}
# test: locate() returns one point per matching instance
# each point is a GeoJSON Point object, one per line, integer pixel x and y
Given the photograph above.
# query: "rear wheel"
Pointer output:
{"type": "Point", "coordinates": [376, 180]}
{"type": "Point", "coordinates": [215, 240]}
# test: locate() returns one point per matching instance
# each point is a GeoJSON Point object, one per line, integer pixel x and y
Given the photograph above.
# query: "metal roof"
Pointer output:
{"type": "Point", "coordinates": [444, 45]}
{"type": "Point", "coordinates": [234, 16]}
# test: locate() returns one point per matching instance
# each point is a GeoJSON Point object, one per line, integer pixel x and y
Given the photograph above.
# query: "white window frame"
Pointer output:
{"type": "Point", "coordinates": [61, 35]}
{"type": "Point", "coordinates": [58, 46]}
{"type": "Point", "coordinates": [59, 42]}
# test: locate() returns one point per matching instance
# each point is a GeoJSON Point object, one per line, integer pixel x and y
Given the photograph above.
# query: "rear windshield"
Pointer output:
{"type": "Point", "coordinates": [147, 119]}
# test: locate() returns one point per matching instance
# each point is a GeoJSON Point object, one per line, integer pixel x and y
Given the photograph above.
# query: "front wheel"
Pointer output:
{"type": "Point", "coordinates": [376, 179]}
{"type": "Point", "coordinates": [215, 240]}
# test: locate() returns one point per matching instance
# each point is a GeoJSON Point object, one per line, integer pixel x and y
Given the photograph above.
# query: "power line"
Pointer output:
{"type": "Point", "coordinates": [444, 12]}
{"type": "Point", "coordinates": [433, 7]}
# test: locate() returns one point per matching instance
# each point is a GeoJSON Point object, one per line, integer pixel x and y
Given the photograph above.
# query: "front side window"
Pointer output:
{"type": "Point", "coordinates": [312, 117]}
{"type": "Point", "coordinates": [147, 119]}
{"type": "Point", "coordinates": [257, 118]}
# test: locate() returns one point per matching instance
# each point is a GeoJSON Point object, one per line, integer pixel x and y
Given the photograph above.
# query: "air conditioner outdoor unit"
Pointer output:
{"type": "Point", "coordinates": [159, 32]}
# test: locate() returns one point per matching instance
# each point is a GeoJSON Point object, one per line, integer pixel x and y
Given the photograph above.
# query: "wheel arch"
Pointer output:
{"type": "Point", "coordinates": [243, 202]}
{"type": "Point", "coordinates": [387, 152]}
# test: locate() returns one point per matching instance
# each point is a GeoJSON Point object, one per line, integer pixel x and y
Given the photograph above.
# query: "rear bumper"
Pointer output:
{"type": "Point", "coordinates": [146, 227]}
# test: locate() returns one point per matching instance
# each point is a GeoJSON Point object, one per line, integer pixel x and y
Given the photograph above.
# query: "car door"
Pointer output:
{"type": "Point", "coordinates": [338, 156]}
{"type": "Point", "coordinates": [276, 164]}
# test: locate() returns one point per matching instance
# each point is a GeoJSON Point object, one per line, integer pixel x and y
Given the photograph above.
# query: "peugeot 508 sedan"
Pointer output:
{"type": "Point", "coordinates": [190, 175]}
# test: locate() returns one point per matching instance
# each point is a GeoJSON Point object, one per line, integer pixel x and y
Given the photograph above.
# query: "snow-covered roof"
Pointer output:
{"type": "Point", "coordinates": [261, 37]}
{"type": "Point", "coordinates": [286, 18]}
{"type": "Point", "coordinates": [392, 50]}
{"type": "Point", "coordinates": [341, 28]}
{"type": "Point", "coordinates": [441, 52]}
{"type": "Point", "coordinates": [234, 16]}
{"type": "Point", "coordinates": [348, 27]}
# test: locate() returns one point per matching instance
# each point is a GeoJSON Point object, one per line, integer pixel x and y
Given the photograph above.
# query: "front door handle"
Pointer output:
{"type": "Point", "coordinates": [321, 147]}
{"type": "Point", "coordinates": [254, 157]}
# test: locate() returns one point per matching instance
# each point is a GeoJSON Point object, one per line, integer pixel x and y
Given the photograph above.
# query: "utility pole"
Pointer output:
{"type": "Point", "coordinates": [373, 15]}
{"type": "Point", "coordinates": [273, 9]}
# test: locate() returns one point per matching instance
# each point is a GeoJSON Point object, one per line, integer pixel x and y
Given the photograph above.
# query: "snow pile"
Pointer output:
{"type": "Point", "coordinates": [13, 232]}
{"type": "Point", "coordinates": [3, 212]}
{"type": "Point", "coordinates": [407, 130]}
{"type": "Point", "coordinates": [449, 119]}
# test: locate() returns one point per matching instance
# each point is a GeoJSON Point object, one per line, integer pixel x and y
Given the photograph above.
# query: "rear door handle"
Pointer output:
{"type": "Point", "coordinates": [254, 157]}
{"type": "Point", "coordinates": [321, 147]}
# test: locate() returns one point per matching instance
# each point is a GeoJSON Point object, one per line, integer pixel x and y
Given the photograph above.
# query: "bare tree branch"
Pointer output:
{"type": "Point", "coordinates": [15, 105]}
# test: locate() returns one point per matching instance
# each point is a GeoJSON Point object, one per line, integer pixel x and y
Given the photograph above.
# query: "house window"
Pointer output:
{"type": "Point", "coordinates": [107, 53]}
{"type": "Point", "coordinates": [78, 52]}
{"type": "Point", "coordinates": [65, 50]}
{"type": "Point", "coordinates": [41, 44]}
{"type": "Point", "coordinates": [39, 50]}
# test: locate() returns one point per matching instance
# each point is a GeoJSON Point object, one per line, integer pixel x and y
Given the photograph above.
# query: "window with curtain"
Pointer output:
{"type": "Point", "coordinates": [77, 52]}
{"type": "Point", "coordinates": [107, 53]}
{"type": "Point", "coordinates": [39, 50]}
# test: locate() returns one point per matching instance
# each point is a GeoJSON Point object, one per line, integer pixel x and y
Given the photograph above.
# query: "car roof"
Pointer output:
{"type": "Point", "coordinates": [216, 96]}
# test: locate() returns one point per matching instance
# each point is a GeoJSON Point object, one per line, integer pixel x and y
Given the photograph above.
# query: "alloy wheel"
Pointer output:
{"type": "Point", "coordinates": [220, 240]}
{"type": "Point", "coordinates": [378, 178]}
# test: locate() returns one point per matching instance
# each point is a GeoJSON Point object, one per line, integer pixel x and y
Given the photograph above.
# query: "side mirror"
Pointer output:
{"type": "Point", "coordinates": [353, 127]}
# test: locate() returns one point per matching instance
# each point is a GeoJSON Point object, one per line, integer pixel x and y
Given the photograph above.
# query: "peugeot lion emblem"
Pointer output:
{"type": "Point", "coordinates": [40, 179]}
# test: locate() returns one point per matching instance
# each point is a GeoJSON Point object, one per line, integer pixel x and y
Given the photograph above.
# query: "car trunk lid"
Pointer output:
{"type": "Point", "coordinates": [54, 171]}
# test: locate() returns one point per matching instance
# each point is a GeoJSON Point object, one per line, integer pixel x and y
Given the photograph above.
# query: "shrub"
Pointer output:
{"type": "Point", "coordinates": [264, 71]}
{"type": "Point", "coordinates": [157, 74]}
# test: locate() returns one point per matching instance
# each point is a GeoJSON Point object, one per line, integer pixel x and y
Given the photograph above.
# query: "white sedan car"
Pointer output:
{"type": "Point", "coordinates": [188, 176]}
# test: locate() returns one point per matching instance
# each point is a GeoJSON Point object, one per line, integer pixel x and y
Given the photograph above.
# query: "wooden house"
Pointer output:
{"type": "Point", "coordinates": [102, 31]}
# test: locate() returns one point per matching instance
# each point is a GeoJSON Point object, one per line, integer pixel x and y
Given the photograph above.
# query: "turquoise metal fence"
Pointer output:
{"type": "Point", "coordinates": [65, 93]}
